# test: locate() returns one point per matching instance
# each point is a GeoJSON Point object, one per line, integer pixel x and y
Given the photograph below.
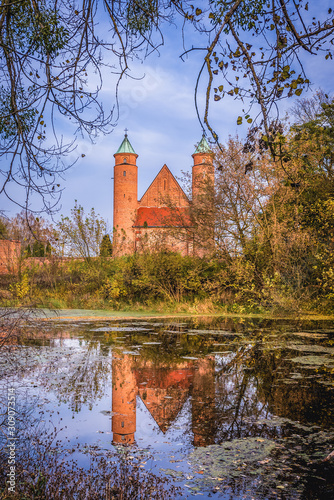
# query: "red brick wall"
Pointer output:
{"type": "Point", "coordinates": [162, 188]}
{"type": "Point", "coordinates": [157, 239]}
{"type": "Point", "coordinates": [10, 251]}
{"type": "Point", "coordinates": [202, 171]}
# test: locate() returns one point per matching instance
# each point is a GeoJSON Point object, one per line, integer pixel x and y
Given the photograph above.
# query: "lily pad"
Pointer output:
{"type": "Point", "coordinates": [231, 457]}
{"type": "Point", "coordinates": [311, 335]}
{"type": "Point", "coordinates": [172, 472]}
{"type": "Point", "coordinates": [313, 360]}
{"type": "Point", "coordinates": [311, 348]}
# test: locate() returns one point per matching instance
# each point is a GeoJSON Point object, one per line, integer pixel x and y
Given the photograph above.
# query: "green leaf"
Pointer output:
{"type": "Point", "coordinates": [221, 88]}
{"type": "Point", "coordinates": [298, 91]}
{"type": "Point", "coordinates": [239, 120]}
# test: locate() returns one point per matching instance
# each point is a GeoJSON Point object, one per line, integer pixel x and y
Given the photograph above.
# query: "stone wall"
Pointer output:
{"type": "Point", "coordinates": [10, 251]}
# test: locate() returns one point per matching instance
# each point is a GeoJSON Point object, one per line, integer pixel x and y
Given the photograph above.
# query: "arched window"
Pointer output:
{"type": "Point", "coordinates": [124, 160]}
{"type": "Point", "coordinates": [165, 184]}
{"type": "Point", "coordinates": [124, 173]}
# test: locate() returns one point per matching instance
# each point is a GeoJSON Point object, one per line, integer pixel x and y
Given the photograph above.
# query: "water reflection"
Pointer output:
{"type": "Point", "coordinates": [124, 390]}
{"type": "Point", "coordinates": [232, 396]}
{"type": "Point", "coordinates": [163, 388]}
{"type": "Point", "coordinates": [260, 398]}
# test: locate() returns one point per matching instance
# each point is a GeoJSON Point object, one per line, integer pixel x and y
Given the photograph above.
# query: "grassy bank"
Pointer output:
{"type": "Point", "coordinates": [105, 315]}
{"type": "Point", "coordinates": [161, 283]}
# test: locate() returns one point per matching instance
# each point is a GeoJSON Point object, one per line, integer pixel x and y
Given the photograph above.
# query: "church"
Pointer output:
{"type": "Point", "coordinates": [150, 223]}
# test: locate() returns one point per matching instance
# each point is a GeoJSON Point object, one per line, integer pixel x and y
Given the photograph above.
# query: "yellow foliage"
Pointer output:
{"type": "Point", "coordinates": [114, 289]}
{"type": "Point", "coordinates": [22, 288]}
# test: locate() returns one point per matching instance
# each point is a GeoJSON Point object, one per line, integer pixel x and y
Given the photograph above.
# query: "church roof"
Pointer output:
{"type": "Point", "coordinates": [126, 147]}
{"type": "Point", "coordinates": [203, 146]}
{"type": "Point", "coordinates": [160, 174]}
{"type": "Point", "coordinates": [162, 217]}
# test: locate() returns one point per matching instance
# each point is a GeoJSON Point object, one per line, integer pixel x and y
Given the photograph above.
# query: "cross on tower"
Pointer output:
{"type": "Point", "coordinates": [126, 132]}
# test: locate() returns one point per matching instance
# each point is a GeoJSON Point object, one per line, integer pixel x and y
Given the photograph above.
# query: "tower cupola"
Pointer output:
{"type": "Point", "coordinates": [125, 153]}
{"type": "Point", "coordinates": [203, 146]}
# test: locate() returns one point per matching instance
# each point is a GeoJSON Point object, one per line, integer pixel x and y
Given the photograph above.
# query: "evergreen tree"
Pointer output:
{"type": "Point", "coordinates": [3, 230]}
{"type": "Point", "coordinates": [48, 249]}
{"type": "Point", "coordinates": [106, 246]}
{"type": "Point", "coordinates": [38, 249]}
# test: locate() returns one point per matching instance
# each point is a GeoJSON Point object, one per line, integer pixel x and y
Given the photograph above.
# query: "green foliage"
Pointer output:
{"type": "Point", "coordinates": [14, 114]}
{"type": "Point", "coordinates": [245, 18]}
{"type": "Point", "coordinates": [141, 15]}
{"type": "Point", "coordinates": [48, 249]}
{"type": "Point", "coordinates": [317, 136]}
{"type": "Point", "coordinates": [106, 246]}
{"type": "Point", "coordinates": [3, 229]}
{"type": "Point", "coordinates": [27, 252]}
{"type": "Point", "coordinates": [38, 249]}
{"type": "Point", "coordinates": [34, 26]}
{"type": "Point", "coordinates": [147, 279]}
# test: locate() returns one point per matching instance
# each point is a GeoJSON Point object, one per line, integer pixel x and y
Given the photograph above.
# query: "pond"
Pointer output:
{"type": "Point", "coordinates": [224, 408]}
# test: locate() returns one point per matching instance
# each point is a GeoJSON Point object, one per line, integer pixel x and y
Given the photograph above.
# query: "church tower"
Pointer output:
{"type": "Point", "coordinates": [203, 170]}
{"type": "Point", "coordinates": [125, 197]}
{"type": "Point", "coordinates": [203, 181]}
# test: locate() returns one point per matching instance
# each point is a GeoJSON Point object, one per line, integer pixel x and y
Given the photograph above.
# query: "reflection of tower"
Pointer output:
{"type": "Point", "coordinates": [124, 391]}
{"type": "Point", "coordinates": [203, 402]}
{"type": "Point", "coordinates": [163, 388]}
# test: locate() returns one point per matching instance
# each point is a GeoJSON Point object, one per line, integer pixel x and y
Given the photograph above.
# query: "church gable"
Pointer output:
{"type": "Point", "coordinates": [163, 190]}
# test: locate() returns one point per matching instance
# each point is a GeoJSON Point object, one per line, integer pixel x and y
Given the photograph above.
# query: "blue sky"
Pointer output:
{"type": "Point", "coordinates": [158, 110]}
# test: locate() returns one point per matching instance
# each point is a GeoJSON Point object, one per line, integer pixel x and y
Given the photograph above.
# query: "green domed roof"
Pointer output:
{"type": "Point", "coordinates": [125, 147]}
{"type": "Point", "coordinates": [203, 146]}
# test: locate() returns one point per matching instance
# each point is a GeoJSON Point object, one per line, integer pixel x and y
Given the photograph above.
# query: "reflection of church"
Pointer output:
{"type": "Point", "coordinates": [163, 389]}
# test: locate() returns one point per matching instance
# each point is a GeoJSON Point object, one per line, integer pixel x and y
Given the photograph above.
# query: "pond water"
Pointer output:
{"type": "Point", "coordinates": [224, 408]}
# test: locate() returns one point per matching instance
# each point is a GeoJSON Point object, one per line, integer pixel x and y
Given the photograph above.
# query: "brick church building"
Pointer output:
{"type": "Point", "coordinates": [150, 223]}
